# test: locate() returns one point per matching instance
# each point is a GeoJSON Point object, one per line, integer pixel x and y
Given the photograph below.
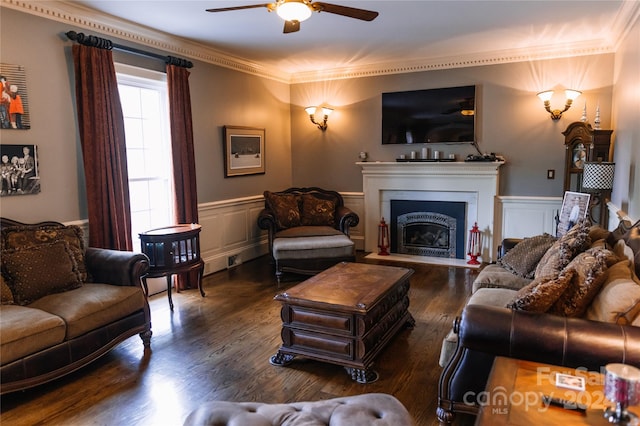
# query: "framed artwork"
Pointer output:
{"type": "Point", "coordinates": [14, 103]}
{"type": "Point", "coordinates": [243, 151]}
{"type": "Point", "coordinates": [575, 206]}
{"type": "Point", "coordinates": [19, 170]}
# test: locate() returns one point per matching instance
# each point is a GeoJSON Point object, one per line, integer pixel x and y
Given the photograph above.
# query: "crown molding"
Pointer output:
{"type": "Point", "coordinates": [79, 16]}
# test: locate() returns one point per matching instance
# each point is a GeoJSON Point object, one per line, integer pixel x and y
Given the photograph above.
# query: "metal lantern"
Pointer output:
{"type": "Point", "coordinates": [383, 238]}
{"type": "Point", "coordinates": [474, 245]}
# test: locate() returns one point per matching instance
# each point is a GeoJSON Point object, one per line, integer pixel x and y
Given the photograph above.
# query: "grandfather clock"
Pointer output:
{"type": "Point", "coordinates": [583, 143]}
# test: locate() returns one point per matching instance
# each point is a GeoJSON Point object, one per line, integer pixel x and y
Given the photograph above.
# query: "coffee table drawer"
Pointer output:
{"type": "Point", "coordinates": [317, 344]}
{"type": "Point", "coordinates": [336, 323]}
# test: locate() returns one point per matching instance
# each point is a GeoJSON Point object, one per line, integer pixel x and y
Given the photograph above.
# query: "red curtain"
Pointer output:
{"type": "Point", "coordinates": [184, 164]}
{"type": "Point", "coordinates": [102, 136]}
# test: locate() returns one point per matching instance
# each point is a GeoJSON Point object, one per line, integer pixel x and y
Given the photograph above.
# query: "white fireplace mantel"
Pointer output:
{"type": "Point", "coordinates": [447, 181]}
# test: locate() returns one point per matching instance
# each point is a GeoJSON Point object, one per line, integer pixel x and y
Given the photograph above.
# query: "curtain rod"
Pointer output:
{"type": "Point", "coordinates": [103, 43]}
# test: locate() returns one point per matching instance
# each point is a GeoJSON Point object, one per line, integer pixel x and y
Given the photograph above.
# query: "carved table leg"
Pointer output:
{"type": "Point", "coordinates": [363, 376]}
{"type": "Point", "coordinates": [281, 359]}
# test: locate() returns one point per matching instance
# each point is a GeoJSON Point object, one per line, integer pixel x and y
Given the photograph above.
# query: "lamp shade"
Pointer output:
{"type": "Point", "coordinates": [598, 176]}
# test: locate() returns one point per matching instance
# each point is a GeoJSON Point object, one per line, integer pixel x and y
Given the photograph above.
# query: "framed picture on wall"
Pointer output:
{"type": "Point", "coordinates": [14, 103]}
{"type": "Point", "coordinates": [243, 151]}
{"type": "Point", "coordinates": [19, 170]}
{"type": "Point", "coordinates": [575, 206]}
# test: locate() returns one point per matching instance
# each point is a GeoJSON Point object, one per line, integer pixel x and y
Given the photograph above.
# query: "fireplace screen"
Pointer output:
{"type": "Point", "coordinates": [426, 234]}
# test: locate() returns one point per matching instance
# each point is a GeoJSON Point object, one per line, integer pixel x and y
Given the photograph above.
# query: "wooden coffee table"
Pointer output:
{"type": "Point", "coordinates": [514, 396]}
{"type": "Point", "coordinates": [345, 315]}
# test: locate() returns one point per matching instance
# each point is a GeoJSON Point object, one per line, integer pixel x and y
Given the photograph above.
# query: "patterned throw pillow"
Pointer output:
{"type": "Point", "coordinates": [525, 256]}
{"type": "Point", "coordinates": [17, 237]}
{"type": "Point", "coordinates": [563, 250]}
{"type": "Point", "coordinates": [589, 267]}
{"type": "Point", "coordinates": [285, 207]}
{"type": "Point", "coordinates": [541, 293]}
{"type": "Point", "coordinates": [317, 211]}
{"type": "Point", "coordinates": [36, 271]}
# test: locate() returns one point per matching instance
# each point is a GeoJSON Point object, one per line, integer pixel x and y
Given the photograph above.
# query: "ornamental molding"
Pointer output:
{"type": "Point", "coordinates": [81, 17]}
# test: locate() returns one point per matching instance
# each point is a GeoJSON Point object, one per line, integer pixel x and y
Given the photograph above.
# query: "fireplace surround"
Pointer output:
{"type": "Point", "coordinates": [474, 183]}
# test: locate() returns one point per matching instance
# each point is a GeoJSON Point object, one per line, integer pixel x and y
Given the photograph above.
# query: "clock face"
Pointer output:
{"type": "Point", "coordinates": [579, 156]}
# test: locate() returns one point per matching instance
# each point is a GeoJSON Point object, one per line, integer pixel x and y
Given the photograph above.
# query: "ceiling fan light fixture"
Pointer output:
{"type": "Point", "coordinates": [293, 10]}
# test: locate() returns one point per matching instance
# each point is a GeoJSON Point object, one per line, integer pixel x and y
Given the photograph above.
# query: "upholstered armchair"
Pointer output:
{"type": "Point", "coordinates": [308, 230]}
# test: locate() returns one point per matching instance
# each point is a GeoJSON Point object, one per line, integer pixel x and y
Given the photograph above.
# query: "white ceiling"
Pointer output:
{"type": "Point", "coordinates": [451, 32]}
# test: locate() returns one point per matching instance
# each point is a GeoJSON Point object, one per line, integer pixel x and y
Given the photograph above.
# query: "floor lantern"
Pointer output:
{"type": "Point", "coordinates": [474, 245]}
{"type": "Point", "coordinates": [383, 238]}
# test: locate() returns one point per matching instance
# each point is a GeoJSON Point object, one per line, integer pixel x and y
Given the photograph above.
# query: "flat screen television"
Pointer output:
{"type": "Point", "coordinates": [444, 115]}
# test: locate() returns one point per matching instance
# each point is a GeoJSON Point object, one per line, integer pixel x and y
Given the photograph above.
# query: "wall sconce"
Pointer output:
{"type": "Point", "coordinates": [545, 97]}
{"type": "Point", "coordinates": [312, 110]}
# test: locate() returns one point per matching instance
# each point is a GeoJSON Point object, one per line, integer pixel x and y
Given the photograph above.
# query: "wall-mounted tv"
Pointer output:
{"type": "Point", "coordinates": [444, 115]}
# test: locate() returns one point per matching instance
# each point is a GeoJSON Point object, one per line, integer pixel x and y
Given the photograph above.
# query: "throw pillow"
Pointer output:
{"type": "Point", "coordinates": [575, 241]}
{"type": "Point", "coordinates": [36, 271]}
{"type": "Point", "coordinates": [541, 293]}
{"type": "Point", "coordinates": [285, 207]}
{"type": "Point", "coordinates": [6, 297]}
{"type": "Point", "coordinates": [524, 257]}
{"type": "Point", "coordinates": [590, 267]}
{"type": "Point", "coordinates": [17, 237]}
{"type": "Point", "coordinates": [618, 300]}
{"type": "Point", "coordinates": [317, 211]}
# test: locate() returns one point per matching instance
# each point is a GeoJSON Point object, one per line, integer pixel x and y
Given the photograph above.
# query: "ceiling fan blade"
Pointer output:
{"type": "Point", "coordinates": [291, 26]}
{"type": "Point", "coordinates": [351, 12]}
{"type": "Point", "coordinates": [270, 6]}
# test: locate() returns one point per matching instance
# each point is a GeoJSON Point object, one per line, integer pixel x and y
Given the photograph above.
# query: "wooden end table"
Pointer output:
{"type": "Point", "coordinates": [173, 250]}
{"type": "Point", "coordinates": [345, 315]}
{"type": "Point", "coordinates": [513, 396]}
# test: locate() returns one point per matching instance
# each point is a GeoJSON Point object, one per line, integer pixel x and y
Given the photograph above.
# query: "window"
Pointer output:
{"type": "Point", "coordinates": [143, 94]}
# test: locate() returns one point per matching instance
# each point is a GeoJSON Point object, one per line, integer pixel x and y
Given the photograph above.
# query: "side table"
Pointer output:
{"type": "Point", "coordinates": [515, 389]}
{"type": "Point", "coordinates": [172, 250]}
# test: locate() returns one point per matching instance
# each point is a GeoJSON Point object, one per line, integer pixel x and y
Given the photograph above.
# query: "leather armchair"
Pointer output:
{"type": "Point", "coordinates": [310, 249]}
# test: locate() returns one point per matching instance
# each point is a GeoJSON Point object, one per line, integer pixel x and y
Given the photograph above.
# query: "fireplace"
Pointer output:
{"type": "Point", "coordinates": [428, 228]}
{"type": "Point", "coordinates": [475, 184]}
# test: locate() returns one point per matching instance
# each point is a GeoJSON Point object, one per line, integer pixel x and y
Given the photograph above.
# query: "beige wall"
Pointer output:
{"type": "Point", "coordinates": [219, 97]}
{"type": "Point", "coordinates": [626, 190]}
{"type": "Point", "coordinates": [511, 120]}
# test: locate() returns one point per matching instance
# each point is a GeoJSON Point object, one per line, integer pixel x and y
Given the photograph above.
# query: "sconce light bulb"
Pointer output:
{"type": "Point", "coordinates": [327, 111]}
{"type": "Point", "coordinates": [572, 95]}
{"type": "Point", "coordinates": [311, 110]}
{"type": "Point", "coordinates": [546, 95]}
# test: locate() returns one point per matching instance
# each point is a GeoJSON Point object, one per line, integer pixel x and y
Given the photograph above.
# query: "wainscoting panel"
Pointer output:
{"type": "Point", "coordinates": [230, 233]}
{"type": "Point", "coordinates": [527, 216]}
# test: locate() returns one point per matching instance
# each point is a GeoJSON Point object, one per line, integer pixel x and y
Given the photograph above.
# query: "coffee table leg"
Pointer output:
{"type": "Point", "coordinates": [281, 359]}
{"type": "Point", "coordinates": [363, 376]}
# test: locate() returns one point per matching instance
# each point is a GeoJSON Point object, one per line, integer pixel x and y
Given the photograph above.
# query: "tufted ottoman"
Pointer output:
{"type": "Point", "coordinates": [373, 409]}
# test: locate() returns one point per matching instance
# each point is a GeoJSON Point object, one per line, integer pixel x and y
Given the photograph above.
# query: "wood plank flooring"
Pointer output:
{"type": "Point", "coordinates": [218, 348]}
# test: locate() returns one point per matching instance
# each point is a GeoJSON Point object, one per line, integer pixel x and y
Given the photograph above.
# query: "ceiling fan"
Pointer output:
{"type": "Point", "coordinates": [295, 11]}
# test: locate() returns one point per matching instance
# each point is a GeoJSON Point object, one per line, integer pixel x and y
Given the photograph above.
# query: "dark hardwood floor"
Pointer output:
{"type": "Point", "coordinates": [218, 348]}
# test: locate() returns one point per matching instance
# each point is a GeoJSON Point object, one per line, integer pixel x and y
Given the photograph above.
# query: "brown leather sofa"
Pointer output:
{"type": "Point", "coordinates": [308, 230]}
{"type": "Point", "coordinates": [48, 335]}
{"type": "Point", "coordinates": [484, 332]}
